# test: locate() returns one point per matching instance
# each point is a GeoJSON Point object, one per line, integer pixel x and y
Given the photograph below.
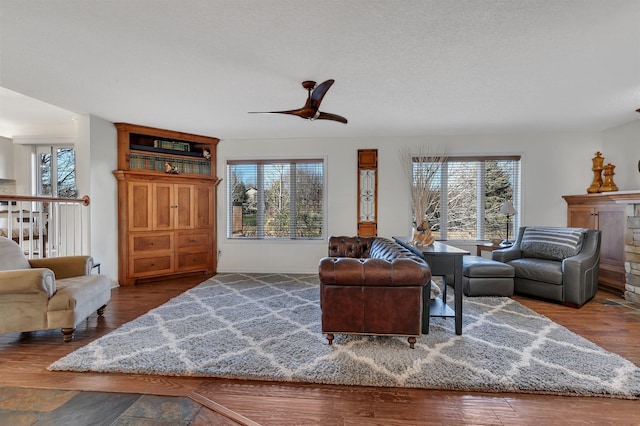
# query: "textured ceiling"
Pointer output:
{"type": "Point", "coordinates": [401, 67]}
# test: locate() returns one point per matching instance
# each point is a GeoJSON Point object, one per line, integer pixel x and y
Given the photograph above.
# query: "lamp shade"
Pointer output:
{"type": "Point", "coordinates": [507, 208]}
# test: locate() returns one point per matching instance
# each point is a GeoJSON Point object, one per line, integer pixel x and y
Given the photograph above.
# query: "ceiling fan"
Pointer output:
{"type": "Point", "coordinates": [310, 110]}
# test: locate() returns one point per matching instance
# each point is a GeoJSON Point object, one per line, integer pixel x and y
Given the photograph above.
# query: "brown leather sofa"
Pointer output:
{"type": "Point", "coordinates": [373, 286]}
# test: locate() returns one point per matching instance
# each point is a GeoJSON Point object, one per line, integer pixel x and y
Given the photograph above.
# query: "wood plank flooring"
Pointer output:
{"type": "Point", "coordinates": [608, 321]}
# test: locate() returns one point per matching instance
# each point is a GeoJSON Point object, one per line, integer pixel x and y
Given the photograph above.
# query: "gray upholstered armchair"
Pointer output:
{"type": "Point", "coordinates": [45, 294]}
{"type": "Point", "coordinates": [559, 264]}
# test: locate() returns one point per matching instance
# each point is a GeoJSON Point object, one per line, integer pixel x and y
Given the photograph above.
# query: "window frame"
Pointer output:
{"type": "Point", "coordinates": [480, 231]}
{"type": "Point", "coordinates": [52, 151]}
{"type": "Point", "coordinates": [260, 163]}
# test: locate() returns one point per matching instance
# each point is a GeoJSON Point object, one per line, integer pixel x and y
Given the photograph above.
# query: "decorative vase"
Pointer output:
{"type": "Point", "coordinates": [597, 168]}
{"type": "Point", "coordinates": [608, 185]}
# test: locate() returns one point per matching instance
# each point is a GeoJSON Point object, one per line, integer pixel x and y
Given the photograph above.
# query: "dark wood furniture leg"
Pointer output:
{"type": "Point", "coordinates": [457, 286]}
{"type": "Point", "coordinates": [67, 334]}
{"type": "Point", "coordinates": [426, 305]}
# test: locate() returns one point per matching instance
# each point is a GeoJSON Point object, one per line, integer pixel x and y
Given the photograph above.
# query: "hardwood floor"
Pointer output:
{"type": "Point", "coordinates": [607, 320]}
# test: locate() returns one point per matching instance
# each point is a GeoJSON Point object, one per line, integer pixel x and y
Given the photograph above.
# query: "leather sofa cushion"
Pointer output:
{"type": "Point", "coordinates": [480, 267]}
{"type": "Point", "coordinates": [356, 247]}
{"type": "Point", "coordinates": [388, 250]}
{"type": "Point", "coordinates": [544, 270]}
{"type": "Point", "coordinates": [369, 247]}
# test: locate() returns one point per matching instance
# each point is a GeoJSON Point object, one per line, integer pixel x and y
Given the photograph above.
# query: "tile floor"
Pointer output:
{"type": "Point", "coordinates": [23, 406]}
{"type": "Point", "coordinates": [634, 308]}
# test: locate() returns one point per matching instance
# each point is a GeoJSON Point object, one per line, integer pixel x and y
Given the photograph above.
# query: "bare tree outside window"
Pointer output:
{"type": "Point", "coordinates": [58, 173]}
{"type": "Point", "coordinates": [472, 190]}
{"type": "Point", "coordinates": [279, 199]}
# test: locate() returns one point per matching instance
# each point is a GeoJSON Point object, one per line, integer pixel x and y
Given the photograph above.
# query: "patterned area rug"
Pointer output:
{"type": "Point", "coordinates": [267, 327]}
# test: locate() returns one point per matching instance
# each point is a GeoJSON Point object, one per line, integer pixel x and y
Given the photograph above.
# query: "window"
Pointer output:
{"type": "Point", "coordinates": [471, 191]}
{"type": "Point", "coordinates": [57, 172]}
{"type": "Point", "coordinates": [276, 199]}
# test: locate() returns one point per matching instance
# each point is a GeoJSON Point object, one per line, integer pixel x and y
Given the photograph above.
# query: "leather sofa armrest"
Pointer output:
{"type": "Point", "coordinates": [65, 266]}
{"type": "Point", "coordinates": [341, 270]}
{"type": "Point", "coordinates": [507, 254]}
{"type": "Point", "coordinates": [25, 281]}
{"type": "Point", "coordinates": [580, 272]}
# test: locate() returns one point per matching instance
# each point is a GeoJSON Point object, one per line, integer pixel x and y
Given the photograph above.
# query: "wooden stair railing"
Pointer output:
{"type": "Point", "coordinates": [45, 226]}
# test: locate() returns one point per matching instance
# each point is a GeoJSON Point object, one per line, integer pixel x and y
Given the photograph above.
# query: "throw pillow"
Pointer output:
{"type": "Point", "coordinates": [552, 243]}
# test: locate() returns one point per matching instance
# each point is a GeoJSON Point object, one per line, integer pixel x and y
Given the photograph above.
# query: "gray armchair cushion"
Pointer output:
{"type": "Point", "coordinates": [551, 242]}
{"type": "Point", "coordinates": [544, 270]}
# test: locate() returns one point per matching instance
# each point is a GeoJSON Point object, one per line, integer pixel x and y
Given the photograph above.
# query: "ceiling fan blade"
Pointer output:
{"type": "Point", "coordinates": [328, 116]}
{"type": "Point", "coordinates": [310, 109]}
{"type": "Point", "coordinates": [319, 92]}
{"type": "Point", "coordinates": [298, 112]}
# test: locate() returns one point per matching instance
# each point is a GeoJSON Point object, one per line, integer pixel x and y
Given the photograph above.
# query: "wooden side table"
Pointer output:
{"type": "Point", "coordinates": [489, 247]}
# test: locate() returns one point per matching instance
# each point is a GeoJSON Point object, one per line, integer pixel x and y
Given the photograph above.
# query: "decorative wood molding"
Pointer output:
{"type": "Point", "coordinates": [624, 197]}
{"type": "Point", "coordinates": [367, 192]}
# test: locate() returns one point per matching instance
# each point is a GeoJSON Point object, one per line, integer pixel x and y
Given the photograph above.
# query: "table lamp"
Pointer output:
{"type": "Point", "coordinates": [508, 210]}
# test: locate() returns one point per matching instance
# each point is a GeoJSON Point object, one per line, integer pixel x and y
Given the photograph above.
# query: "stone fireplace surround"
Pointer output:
{"type": "Point", "coordinates": [632, 253]}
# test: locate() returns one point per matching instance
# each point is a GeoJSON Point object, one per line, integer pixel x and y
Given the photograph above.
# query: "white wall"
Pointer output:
{"type": "Point", "coordinates": [552, 165]}
{"type": "Point", "coordinates": [96, 159]}
{"type": "Point", "coordinates": [621, 147]}
{"type": "Point", "coordinates": [6, 158]}
{"type": "Point", "coordinates": [22, 155]}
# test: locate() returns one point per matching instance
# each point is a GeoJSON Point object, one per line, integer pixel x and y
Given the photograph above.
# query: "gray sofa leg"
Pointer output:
{"type": "Point", "coordinates": [67, 334]}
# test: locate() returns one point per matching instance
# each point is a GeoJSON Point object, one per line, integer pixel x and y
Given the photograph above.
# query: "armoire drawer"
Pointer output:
{"type": "Point", "coordinates": [189, 261]}
{"type": "Point", "coordinates": [194, 240]}
{"type": "Point", "coordinates": [142, 243]}
{"type": "Point", "coordinates": [141, 266]}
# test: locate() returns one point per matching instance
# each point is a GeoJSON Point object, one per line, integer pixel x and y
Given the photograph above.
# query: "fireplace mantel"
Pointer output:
{"type": "Point", "coordinates": [620, 197]}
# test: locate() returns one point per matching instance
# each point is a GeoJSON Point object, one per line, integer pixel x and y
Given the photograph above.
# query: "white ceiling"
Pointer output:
{"type": "Point", "coordinates": [402, 67]}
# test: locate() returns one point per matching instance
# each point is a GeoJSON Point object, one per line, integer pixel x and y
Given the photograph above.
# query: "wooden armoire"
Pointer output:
{"type": "Point", "coordinates": [605, 211]}
{"type": "Point", "coordinates": [166, 203]}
